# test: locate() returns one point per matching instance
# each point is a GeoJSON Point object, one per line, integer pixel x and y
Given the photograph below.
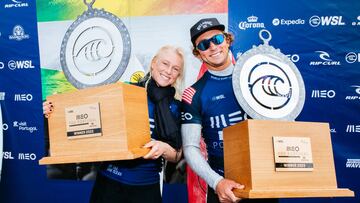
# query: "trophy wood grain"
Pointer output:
{"type": "Point", "coordinates": [249, 160]}
{"type": "Point", "coordinates": [124, 122]}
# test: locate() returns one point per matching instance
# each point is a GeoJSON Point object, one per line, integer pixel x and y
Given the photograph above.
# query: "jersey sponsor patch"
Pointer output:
{"type": "Point", "coordinates": [188, 95]}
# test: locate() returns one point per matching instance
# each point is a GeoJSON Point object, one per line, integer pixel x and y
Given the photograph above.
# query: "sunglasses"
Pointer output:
{"type": "Point", "coordinates": [205, 44]}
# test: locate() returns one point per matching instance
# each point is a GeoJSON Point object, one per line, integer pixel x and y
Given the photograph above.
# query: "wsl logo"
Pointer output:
{"type": "Point", "coordinates": [26, 64]}
{"type": "Point", "coordinates": [352, 57]}
{"type": "Point", "coordinates": [16, 4]}
{"type": "Point", "coordinates": [252, 22]}
{"type": "Point", "coordinates": [316, 21]}
{"type": "Point", "coordinates": [325, 60]}
{"type": "Point", "coordinates": [18, 33]}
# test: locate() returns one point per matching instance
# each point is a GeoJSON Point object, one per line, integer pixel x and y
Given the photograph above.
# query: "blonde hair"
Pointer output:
{"type": "Point", "coordinates": [179, 82]}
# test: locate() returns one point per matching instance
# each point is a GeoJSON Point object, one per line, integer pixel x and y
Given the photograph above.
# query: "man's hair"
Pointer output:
{"type": "Point", "coordinates": [228, 37]}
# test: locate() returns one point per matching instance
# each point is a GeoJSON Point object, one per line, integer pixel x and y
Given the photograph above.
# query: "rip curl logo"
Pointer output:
{"type": "Point", "coordinates": [325, 60]}
{"type": "Point", "coordinates": [18, 33]}
{"type": "Point", "coordinates": [265, 89]}
{"type": "Point", "coordinates": [16, 4]}
{"type": "Point", "coordinates": [204, 25]}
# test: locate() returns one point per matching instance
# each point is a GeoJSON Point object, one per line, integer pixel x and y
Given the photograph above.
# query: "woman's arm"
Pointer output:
{"type": "Point", "coordinates": [159, 148]}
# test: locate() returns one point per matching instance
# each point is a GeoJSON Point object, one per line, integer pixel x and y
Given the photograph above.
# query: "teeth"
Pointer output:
{"type": "Point", "coordinates": [216, 54]}
{"type": "Point", "coordinates": [165, 77]}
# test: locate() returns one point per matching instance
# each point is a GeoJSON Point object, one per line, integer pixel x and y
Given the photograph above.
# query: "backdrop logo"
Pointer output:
{"type": "Point", "coordinates": [22, 126]}
{"type": "Point", "coordinates": [16, 4]}
{"type": "Point", "coordinates": [356, 22]}
{"type": "Point", "coordinates": [352, 57]}
{"type": "Point", "coordinates": [252, 22]}
{"type": "Point", "coordinates": [18, 33]}
{"type": "Point", "coordinates": [325, 60]}
{"type": "Point", "coordinates": [5, 126]}
{"type": "Point", "coordinates": [353, 163]}
{"type": "Point", "coordinates": [95, 49]}
{"type": "Point", "coordinates": [353, 128]}
{"type": "Point", "coordinates": [1, 65]}
{"type": "Point", "coordinates": [293, 57]}
{"type": "Point", "coordinates": [316, 21]}
{"type": "Point", "coordinates": [357, 91]}
{"type": "Point", "coordinates": [287, 22]}
{"type": "Point", "coordinates": [26, 64]}
{"type": "Point", "coordinates": [326, 94]}
{"type": "Point", "coordinates": [23, 97]}
{"type": "Point", "coordinates": [26, 156]}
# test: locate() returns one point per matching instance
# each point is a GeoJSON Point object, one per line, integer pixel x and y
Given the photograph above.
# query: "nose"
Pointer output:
{"type": "Point", "coordinates": [212, 45]}
{"type": "Point", "coordinates": [168, 70]}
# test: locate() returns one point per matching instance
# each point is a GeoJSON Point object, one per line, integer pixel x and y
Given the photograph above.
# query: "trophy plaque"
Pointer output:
{"type": "Point", "coordinates": [108, 122]}
{"type": "Point", "coordinates": [271, 154]}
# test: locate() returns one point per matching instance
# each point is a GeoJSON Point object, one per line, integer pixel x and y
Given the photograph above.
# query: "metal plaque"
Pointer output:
{"type": "Point", "coordinates": [83, 121]}
{"type": "Point", "coordinates": [293, 154]}
{"type": "Point", "coordinates": [96, 49]}
{"type": "Point", "coordinates": [267, 84]}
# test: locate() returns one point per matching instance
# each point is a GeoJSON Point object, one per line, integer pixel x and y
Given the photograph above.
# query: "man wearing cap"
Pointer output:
{"type": "Point", "coordinates": [210, 105]}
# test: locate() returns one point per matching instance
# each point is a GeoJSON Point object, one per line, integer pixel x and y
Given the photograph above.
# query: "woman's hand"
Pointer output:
{"type": "Point", "coordinates": [158, 148]}
{"type": "Point", "coordinates": [48, 108]}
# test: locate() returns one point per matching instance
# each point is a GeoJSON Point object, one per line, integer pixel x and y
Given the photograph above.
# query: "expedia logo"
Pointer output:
{"type": "Point", "coordinates": [325, 94]}
{"type": "Point", "coordinates": [353, 128]}
{"type": "Point", "coordinates": [23, 97]}
{"type": "Point", "coordinates": [26, 64]}
{"type": "Point", "coordinates": [325, 60]}
{"type": "Point", "coordinates": [316, 21]}
{"type": "Point", "coordinates": [353, 163]}
{"type": "Point", "coordinates": [16, 4]}
{"type": "Point", "coordinates": [252, 22]}
{"type": "Point", "coordinates": [352, 57]}
{"type": "Point", "coordinates": [18, 33]}
{"type": "Point", "coordinates": [357, 91]}
{"type": "Point", "coordinates": [286, 22]}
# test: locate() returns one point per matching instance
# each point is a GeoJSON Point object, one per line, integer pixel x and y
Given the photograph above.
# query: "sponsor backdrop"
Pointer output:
{"type": "Point", "coordinates": [31, 33]}
{"type": "Point", "coordinates": [322, 39]}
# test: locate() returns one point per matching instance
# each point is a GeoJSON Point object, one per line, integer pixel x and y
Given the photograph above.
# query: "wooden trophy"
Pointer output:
{"type": "Point", "coordinates": [102, 123]}
{"type": "Point", "coordinates": [281, 159]}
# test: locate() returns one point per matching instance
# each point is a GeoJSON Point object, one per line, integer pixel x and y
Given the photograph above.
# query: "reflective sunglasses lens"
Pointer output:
{"type": "Point", "coordinates": [218, 39]}
{"type": "Point", "coordinates": [203, 45]}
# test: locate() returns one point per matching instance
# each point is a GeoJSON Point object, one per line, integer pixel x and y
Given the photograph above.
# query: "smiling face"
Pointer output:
{"type": "Point", "coordinates": [216, 56]}
{"type": "Point", "coordinates": [166, 67]}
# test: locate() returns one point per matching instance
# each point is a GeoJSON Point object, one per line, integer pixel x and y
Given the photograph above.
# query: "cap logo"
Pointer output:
{"type": "Point", "coordinates": [204, 25]}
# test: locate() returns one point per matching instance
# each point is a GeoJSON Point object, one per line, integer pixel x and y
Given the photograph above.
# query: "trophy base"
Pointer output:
{"type": "Point", "coordinates": [95, 157]}
{"type": "Point", "coordinates": [293, 193]}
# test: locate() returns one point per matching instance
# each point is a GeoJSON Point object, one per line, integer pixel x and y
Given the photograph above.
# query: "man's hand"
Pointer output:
{"type": "Point", "coordinates": [224, 190]}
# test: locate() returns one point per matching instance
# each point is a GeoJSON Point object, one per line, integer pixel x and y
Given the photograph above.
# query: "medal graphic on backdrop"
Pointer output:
{"type": "Point", "coordinates": [95, 52]}
{"type": "Point", "coordinates": [267, 84]}
{"type": "Point", "coordinates": [96, 48]}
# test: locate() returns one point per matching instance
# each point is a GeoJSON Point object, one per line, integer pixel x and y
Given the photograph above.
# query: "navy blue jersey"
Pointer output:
{"type": "Point", "coordinates": [139, 171]}
{"type": "Point", "coordinates": [211, 103]}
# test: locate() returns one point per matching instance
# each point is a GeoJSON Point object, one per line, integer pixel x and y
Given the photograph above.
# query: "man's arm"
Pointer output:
{"type": "Point", "coordinates": [191, 134]}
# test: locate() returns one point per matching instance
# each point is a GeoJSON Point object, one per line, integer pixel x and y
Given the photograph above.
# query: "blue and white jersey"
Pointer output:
{"type": "Point", "coordinates": [211, 103]}
{"type": "Point", "coordinates": [139, 171]}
